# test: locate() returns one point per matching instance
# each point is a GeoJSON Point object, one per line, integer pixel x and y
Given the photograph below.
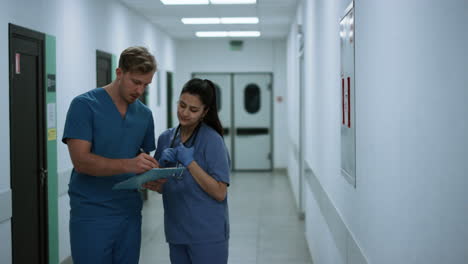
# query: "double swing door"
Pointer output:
{"type": "Point", "coordinates": [244, 108]}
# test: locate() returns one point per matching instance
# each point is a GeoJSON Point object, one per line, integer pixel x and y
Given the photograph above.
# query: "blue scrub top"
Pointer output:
{"type": "Point", "coordinates": [190, 214]}
{"type": "Point", "coordinates": [94, 117]}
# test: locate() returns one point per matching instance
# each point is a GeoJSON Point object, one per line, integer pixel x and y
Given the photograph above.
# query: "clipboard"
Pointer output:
{"type": "Point", "coordinates": [137, 181]}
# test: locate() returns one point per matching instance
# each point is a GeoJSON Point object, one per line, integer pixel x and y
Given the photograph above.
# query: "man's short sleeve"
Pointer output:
{"type": "Point", "coordinates": [163, 142]}
{"type": "Point", "coordinates": [217, 159]}
{"type": "Point", "coordinates": [148, 141]}
{"type": "Point", "coordinates": [79, 122]}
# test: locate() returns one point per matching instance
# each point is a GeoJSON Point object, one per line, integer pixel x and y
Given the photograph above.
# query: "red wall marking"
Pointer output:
{"type": "Point", "coordinates": [349, 102]}
{"type": "Point", "coordinates": [342, 100]}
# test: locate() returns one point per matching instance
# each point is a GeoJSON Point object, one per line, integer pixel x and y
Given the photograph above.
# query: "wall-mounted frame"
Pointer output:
{"type": "Point", "coordinates": [103, 68]}
{"type": "Point", "coordinates": [348, 95]}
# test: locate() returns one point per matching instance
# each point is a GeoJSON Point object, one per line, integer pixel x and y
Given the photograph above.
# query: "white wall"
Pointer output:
{"type": "Point", "coordinates": [214, 55]}
{"type": "Point", "coordinates": [410, 203]}
{"type": "Point", "coordinates": [293, 99]}
{"type": "Point", "coordinates": [80, 28]}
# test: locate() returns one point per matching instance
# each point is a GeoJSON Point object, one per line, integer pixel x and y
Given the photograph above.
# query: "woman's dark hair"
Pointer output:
{"type": "Point", "coordinates": [205, 89]}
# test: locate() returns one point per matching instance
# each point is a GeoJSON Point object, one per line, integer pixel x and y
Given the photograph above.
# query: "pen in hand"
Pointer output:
{"type": "Point", "coordinates": [155, 162]}
{"type": "Point", "coordinates": [142, 151]}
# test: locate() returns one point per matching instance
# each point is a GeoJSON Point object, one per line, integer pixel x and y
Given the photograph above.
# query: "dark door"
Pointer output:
{"type": "Point", "coordinates": [169, 99]}
{"type": "Point", "coordinates": [103, 68]}
{"type": "Point", "coordinates": [27, 146]}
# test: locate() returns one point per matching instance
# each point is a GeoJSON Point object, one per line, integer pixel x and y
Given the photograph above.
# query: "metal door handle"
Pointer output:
{"type": "Point", "coordinates": [43, 176]}
{"type": "Point", "coordinates": [247, 131]}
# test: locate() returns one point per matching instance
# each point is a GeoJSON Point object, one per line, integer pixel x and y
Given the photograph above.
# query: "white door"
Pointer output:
{"type": "Point", "coordinates": [252, 121]}
{"type": "Point", "coordinates": [222, 82]}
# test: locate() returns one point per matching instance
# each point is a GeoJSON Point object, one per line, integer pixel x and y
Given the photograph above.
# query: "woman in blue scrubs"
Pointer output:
{"type": "Point", "coordinates": [196, 216]}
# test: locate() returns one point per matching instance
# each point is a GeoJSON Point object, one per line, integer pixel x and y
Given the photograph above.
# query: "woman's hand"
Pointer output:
{"type": "Point", "coordinates": [156, 186]}
{"type": "Point", "coordinates": [168, 155]}
{"type": "Point", "coordinates": [185, 155]}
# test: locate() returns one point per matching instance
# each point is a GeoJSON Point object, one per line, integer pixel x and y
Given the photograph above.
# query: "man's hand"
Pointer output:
{"type": "Point", "coordinates": [156, 185]}
{"type": "Point", "coordinates": [141, 163]}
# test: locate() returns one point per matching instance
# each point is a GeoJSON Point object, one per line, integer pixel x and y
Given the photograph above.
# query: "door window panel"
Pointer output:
{"type": "Point", "coordinates": [252, 98]}
{"type": "Point", "coordinates": [218, 96]}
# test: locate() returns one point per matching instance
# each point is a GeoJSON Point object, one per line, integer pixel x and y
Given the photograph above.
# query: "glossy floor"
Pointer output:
{"type": "Point", "coordinates": [265, 227]}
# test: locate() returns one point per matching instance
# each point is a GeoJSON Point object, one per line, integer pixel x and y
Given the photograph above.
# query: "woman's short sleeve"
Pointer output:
{"type": "Point", "coordinates": [217, 159]}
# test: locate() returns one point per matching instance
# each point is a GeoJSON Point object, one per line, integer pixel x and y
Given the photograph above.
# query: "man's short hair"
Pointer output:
{"type": "Point", "coordinates": [137, 59]}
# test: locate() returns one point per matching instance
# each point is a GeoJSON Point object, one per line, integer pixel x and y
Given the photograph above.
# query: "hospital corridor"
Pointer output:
{"type": "Point", "coordinates": [234, 132]}
{"type": "Point", "coordinates": [264, 224]}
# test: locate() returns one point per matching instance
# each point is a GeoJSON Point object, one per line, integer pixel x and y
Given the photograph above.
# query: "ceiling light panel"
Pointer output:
{"type": "Point", "coordinates": [239, 20]}
{"type": "Point", "coordinates": [216, 20]}
{"type": "Point", "coordinates": [244, 33]}
{"type": "Point", "coordinates": [201, 20]}
{"type": "Point", "coordinates": [185, 2]}
{"type": "Point", "coordinates": [232, 2]}
{"type": "Point", "coordinates": [203, 34]}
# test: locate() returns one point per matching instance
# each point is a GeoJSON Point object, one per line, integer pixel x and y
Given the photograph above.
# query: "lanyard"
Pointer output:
{"type": "Point", "coordinates": [192, 137]}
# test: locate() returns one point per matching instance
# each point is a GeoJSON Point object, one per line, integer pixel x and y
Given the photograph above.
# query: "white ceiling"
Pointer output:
{"type": "Point", "coordinates": [275, 16]}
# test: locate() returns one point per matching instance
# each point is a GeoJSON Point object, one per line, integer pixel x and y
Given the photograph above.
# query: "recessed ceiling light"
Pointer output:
{"type": "Point", "coordinates": [201, 20]}
{"type": "Point", "coordinates": [203, 34]}
{"type": "Point", "coordinates": [233, 2]}
{"type": "Point", "coordinates": [228, 34]}
{"type": "Point", "coordinates": [206, 2]}
{"type": "Point", "coordinates": [244, 33]}
{"type": "Point", "coordinates": [217, 20]}
{"type": "Point", "coordinates": [239, 20]}
{"type": "Point", "coordinates": [185, 2]}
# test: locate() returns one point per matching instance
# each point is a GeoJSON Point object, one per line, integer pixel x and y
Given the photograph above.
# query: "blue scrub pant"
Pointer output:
{"type": "Point", "coordinates": [105, 240]}
{"type": "Point", "coordinates": [203, 253]}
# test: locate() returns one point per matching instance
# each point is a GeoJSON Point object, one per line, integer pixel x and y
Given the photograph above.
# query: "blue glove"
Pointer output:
{"type": "Point", "coordinates": [168, 155]}
{"type": "Point", "coordinates": [185, 155]}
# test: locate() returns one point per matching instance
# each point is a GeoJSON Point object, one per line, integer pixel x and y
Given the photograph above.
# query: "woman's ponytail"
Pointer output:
{"type": "Point", "coordinates": [206, 90]}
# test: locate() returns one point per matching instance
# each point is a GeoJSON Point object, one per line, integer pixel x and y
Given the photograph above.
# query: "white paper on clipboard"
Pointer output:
{"type": "Point", "coordinates": [137, 181]}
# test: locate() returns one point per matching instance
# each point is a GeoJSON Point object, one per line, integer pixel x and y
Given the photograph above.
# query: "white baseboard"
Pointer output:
{"type": "Point", "coordinates": [342, 236]}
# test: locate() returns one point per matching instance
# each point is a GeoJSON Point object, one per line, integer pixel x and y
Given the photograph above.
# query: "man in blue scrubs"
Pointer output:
{"type": "Point", "coordinates": [108, 132]}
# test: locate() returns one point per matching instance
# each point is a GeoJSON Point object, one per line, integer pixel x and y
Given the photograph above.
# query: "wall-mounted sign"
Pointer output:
{"type": "Point", "coordinates": [348, 124]}
{"type": "Point", "coordinates": [51, 115]}
{"type": "Point", "coordinates": [50, 82]}
{"type": "Point", "coordinates": [17, 63]}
